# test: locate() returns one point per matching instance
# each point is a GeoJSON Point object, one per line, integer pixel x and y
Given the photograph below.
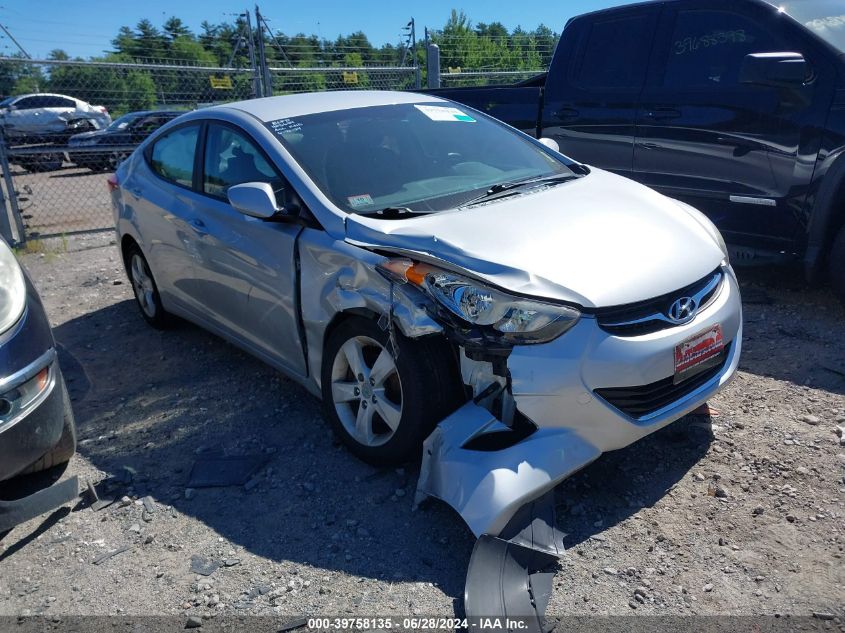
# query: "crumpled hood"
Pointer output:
{"type": "Point", "coordinates": [82, 136]}
{"type": "Point", "coordinates": [598, 241]}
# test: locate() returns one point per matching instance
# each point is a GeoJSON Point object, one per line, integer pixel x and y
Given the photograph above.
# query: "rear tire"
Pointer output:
{"type": "Point", "coordinates": [64, 450]}
{"type": "Point", "coordinates": [836, 265]}
{"type": "Point", "coordinates": [381, 407]}
{"type": "Point", "coordinates": [146, 291]}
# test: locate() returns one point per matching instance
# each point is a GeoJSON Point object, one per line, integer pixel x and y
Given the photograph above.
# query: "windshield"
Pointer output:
{"type": "Point", "coordinates": [825, 18]}
{"type": "Point", "coordinates": [425, 157]}
{"type": "Point", "coordinates": [120, 123]}
{"type": "Point", "coordinates": [7, 101]}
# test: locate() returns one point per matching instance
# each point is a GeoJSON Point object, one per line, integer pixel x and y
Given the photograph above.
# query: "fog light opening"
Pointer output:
{"type": "Point", "coordinates": [5, 407]}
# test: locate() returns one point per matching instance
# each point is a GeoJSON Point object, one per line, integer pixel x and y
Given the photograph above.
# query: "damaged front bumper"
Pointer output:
{"type": "Point", "coordinates": [554, 386]}
{"type": "Point", "coordinates": [504, 491]}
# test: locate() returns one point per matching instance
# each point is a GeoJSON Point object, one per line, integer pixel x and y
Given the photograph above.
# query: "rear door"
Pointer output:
{"type": "Point", "coordinates": [161, 196]}
{"type": "Point", "coordinates": [246, 266]}
{"type": "Point", "coordinates": [734, 150]}
{"type": "Point", "coordinates": [594, 84]}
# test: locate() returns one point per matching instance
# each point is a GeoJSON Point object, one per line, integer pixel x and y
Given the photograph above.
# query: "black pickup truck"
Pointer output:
{"type": "Point", "coordinates": [734, 106]}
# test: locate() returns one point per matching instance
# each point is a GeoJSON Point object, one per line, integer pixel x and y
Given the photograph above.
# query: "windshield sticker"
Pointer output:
{"type": "Point", "coordinates": [284, 126]}
{"type": "Point", "coordinates": [442, 113]}
{"type": "Point", "coordinates": [361, 200]}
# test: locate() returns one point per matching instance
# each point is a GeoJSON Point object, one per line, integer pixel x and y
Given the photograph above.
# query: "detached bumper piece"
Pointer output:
{"type": "Point", "coordinates": [506, 496]}
{"type": "Point", "coordinates": [509, 580]}
{"type": "Point", "coordinates": [15, 512]}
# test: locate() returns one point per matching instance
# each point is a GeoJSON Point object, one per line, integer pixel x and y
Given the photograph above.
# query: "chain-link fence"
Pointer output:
{"type": "Point", "coordinates": [81, 119]}
{"type": "Point", "coordinates": [487, 55]}
{"type": "Point", "coordinates": [458, 79]}
{"type": "Point", "coordinates": [289, 80]}
{"type": "Point", "coordinates": [68, 124]}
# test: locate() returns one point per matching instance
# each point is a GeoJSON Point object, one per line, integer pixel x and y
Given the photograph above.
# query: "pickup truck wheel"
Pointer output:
{"type": "Point", "coordinates": [836, 265]}
{"type": "Point", "coordinates": [64, 450]}
{"type": "Point", "coordinates": [380, 406]}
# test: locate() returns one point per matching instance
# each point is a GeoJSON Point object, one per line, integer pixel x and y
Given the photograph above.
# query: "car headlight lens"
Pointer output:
{"type": "Point", "coordinates": [12, 288]}
{"type": "Point", "coordinates": [515, 319]}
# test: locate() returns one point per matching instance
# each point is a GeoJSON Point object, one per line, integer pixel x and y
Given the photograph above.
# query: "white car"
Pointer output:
{"type": "Point", "coordinates": [435, 276]}
{"type": "Point", "coordinates": [47, 117]}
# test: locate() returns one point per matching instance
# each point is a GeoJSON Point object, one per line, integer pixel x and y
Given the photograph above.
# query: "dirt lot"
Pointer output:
{"type": "Point", "coordinates": [741, 517]}
{"type": "Point", "coordinates": [63, 201]}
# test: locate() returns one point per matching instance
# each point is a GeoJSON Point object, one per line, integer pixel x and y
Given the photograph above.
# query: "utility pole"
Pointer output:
{"type": "Point", "coordinates": [18, 44]}
{"type": "Point", "coordinates": [411, 44]}
{"type": "Point", "coordinates": [256, 80]}
{"type": "Point", "coordinates": [262, 59]}
{"type": "Point", "coordinates": [417, 74]}
{"type": "Point", "coordinates": [276, 40]}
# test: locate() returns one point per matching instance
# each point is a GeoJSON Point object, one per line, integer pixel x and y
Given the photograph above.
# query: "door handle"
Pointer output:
{"type": "Point", "coordinates": [650, 146]}
{"type": "Point", "coordinates": [662, 114]}
{"type": "Point", "coordinates": [564, 114]}
{"type": "Point", "coordinates": [198, 225]}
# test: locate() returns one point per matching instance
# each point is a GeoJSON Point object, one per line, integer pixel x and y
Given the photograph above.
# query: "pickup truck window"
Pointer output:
{"type": "Point", "coordinates": [707, 48]}
{"type": "Point", "coordinates": [615, 54]}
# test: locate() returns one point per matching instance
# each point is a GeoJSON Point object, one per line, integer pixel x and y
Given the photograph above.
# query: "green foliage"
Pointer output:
{"type": "Point", "coordinates": [491, 47]}
{"type": "Point", "coordinates": [485, 46]}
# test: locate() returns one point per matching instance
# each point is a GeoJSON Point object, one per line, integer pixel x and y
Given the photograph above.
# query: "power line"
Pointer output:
{"type": "Point", "coordinates": [12, 37]}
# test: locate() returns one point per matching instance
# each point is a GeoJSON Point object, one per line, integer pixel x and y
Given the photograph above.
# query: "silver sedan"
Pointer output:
{"type": "Point", "coordinates": [435, 276]}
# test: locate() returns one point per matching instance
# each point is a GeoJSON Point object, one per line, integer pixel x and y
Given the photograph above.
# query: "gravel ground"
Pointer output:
{"type": "Point", "coordinates": [739, 515]}
{"type": "Point", "coordinates": [63, 201]}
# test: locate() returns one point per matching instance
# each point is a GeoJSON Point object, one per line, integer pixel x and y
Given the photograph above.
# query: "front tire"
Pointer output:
{"type": "Point", "coordinates": [381, 407]}
{"type": "Point", "coordinates": [146, 291]}
{"type": "Point", "coordinates": [836, 265]}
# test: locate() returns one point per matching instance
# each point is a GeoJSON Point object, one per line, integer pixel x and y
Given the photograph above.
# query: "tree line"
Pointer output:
{"type": "Point", "coordinates": [463, 46]}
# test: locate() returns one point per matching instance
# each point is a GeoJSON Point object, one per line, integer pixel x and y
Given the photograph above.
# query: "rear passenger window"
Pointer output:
{"type": "Point", "coordinates": [172, 156]}
{"type": "Point", "coordinates": [616, 53]}
{"type": "Point", "coordinates": [29, 103]}
{"type": "Point", "coordinates": [707, 48]}
{"type": "Point", "coordinates": [232, 159]}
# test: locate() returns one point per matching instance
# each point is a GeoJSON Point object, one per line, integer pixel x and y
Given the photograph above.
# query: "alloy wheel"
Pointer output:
{"type": "Point", "coordinates": [366, 391]}
{"type": "Point", "coordinates": [142, 284]}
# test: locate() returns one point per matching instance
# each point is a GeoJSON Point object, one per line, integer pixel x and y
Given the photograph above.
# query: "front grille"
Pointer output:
{"type": "Point", "coordinates": [641, 401]}
{"type": "Point", "coordinates": [645, 317]}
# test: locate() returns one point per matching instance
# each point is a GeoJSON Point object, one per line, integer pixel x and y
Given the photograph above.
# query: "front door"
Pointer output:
{"type": "Point", "coordinates": [246, 267]}
{"type": "Point", "coordinates": [729, 148]}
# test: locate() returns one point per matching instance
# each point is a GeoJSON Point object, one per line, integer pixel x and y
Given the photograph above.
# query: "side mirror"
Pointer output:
{"type": "Point", "coordinates": [780, 70]}
{"type": "Point", "coordinates": [550, 143]}
{"type": "Point", "coordinates": [254, 198]}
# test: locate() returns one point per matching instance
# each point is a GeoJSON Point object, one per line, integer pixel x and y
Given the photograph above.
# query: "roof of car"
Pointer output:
{"type": "Point", "coordinates": [271, 108]}
{"type": "Point", "coordinates": [45, 94]}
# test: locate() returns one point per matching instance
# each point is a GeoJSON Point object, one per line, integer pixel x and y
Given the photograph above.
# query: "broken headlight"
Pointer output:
{"type": "Point", "coordinates": [12, 288]}
{"type": "Point", "coordinates": [515, 319]}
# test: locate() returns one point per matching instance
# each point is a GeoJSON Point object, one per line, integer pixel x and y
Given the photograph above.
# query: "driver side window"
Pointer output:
{"type": "Point", "coordinates": [232, 159]}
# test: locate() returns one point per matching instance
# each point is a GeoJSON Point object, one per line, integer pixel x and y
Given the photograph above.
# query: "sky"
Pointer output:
{"type": "Point", "coordinates": [86, 28]}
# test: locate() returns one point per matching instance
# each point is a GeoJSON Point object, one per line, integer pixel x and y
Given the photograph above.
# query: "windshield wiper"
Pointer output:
{"type": "Point", "coordinates": [392, 213]}
{"type": "Point", "coordinates": [503, 189]}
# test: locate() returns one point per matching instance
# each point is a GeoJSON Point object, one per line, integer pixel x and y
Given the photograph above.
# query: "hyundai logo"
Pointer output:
{"type": "Point", "coordinates": [683, 310]}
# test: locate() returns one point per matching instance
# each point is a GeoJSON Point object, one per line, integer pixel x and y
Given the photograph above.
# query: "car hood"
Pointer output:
{"type": "Point", "coordinates": [86, 135]}
{"type": "Point", "coordinates": [598, 241]}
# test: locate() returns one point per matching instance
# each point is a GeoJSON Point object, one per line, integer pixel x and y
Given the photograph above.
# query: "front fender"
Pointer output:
{"type": "Point", "coordinates": [825, 208]}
